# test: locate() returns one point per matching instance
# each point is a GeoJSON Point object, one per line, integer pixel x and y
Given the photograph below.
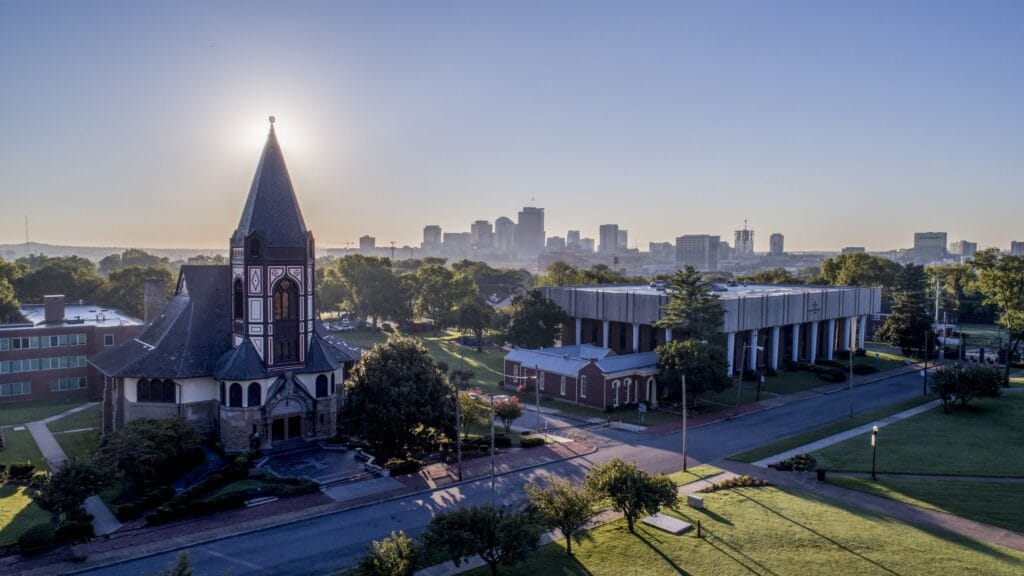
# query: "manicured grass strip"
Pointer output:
{"type": "Point", "coordinates": [982, 439]}
{"type": "Point", "coordinates": [236, 486]}
{"type": "Point", "coordinates": [694, 474]}
{"type": "Point", "coordinates": [21, 448]}
{"type": "Point", "coordinates": [770, 531]}
{"type": "Point", "coordinates": [22, 412]}
{"type": "Point", "coordinates": [80, 445]}
{"type": "Point", "coordinates": [89, 418]}
{"type": "Point", "coordinates": [827, 430]}
{"type": "Point", "coordinates": [17, 513]}
{"type": "Point", "coordinates": [998, 504]}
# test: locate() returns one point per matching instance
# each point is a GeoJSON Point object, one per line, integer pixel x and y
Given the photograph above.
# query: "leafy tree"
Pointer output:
{"type": "Point", "coordinates": [694, 309]}
{"type": "Point", "coordinates": [774, 276]}
{"type": "Point", "coordinates": [533, 320]}
{"type": "Point", "coordinates": [475, 315]}
{"type": "Point", "coordinates": [131, 257]}
{"type": "Point", "coordinates": [705, 366]}
{"type": "Point", "coordinates": [66, 489]}
{"type": "Point", "coordinates": [493, 281]}
{"type": "Point", "coordinates": [958, 290]}
{"type": "Point", "coordinates": [126, 287]}
{"type": "Point", "coordinates": [508, 411]}
{"type": "Point", "coordinates": [631, 490]}
{"type": "Point", "coordinates": [1001, 280]}
{"type": "Point", "coordinates": [397, 397]}
{"type": "Point", "coordinates": [204, 260]}
{"type": "Point", "coordinates": [563, 505]}
{"type": "Point", "coordinates": [73, 276]}
{"type": "Point", "coordinates": [958, 383]}
{"type": "Point", "coordinates": [365, 285]}
{"type": "Point", "coordinates": [499, 536]}
{"type": "Point", "coordinates": [909, 325]}
{"type": "Point", "coordinates": [859, 269]}
{"type": "Point", "coordinates": [438, 291]}
{"type": "Point", "coordinates": [562, 274]}
{"type": "Point", "coordinates": [396, 555]}
{"type": "Point", "coordinates": [473, 412]}
{"type": "Point", "coordinates": [151, 452]}
{"type": "Point", "coordinates": [9, 306]}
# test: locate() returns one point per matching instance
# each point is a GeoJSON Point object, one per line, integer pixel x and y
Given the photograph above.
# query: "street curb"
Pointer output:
{"type": "Point", "coordinates": [83, 569]}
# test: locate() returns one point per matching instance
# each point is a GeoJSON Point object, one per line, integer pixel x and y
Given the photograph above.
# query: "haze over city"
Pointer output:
{"type": "Point", "coordinates": [835, 125]}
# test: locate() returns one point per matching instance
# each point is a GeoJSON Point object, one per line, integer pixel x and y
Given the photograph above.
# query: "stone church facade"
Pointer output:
{"type": "Point", "coordinates": [238, 351]}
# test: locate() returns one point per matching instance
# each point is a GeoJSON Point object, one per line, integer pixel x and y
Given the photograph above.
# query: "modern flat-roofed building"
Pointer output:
{"type": "Point", "coordinates": [431, 236]}
{"type": "Point", "coordinates": [608, 239]}
{"type": "Point", "coordinates": [529, 235]}
{"type": "Point", "coordinates": [776, 244]}
{"type": "Point", "coordinates": [929, 246]}
{"type": "Point", "coordinates": [1016, 248]}
{"type": "Point", "coordinates": [45, 357]}
{"type": "Point", "coordinates": [698, 250]}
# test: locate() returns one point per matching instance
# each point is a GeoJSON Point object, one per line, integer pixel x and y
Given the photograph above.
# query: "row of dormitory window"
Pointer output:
{"type": "Point", "coordinates": [56, 385]}
{"type": "Point", "coordinates": [542, 382]}
{"type": "Point", "coordinates": [56, 341]}
{"type": "Point", "coordinates": [37, 364]}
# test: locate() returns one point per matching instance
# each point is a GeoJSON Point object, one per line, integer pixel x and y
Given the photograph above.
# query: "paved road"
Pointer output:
{"type": "Point", "coordinates": [334, 542]}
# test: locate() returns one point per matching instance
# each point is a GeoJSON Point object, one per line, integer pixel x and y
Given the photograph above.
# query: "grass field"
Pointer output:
{"type": "Point", "coordinates": [88, 418]}
{"type": "Point", "coordinates": [982, 439]}
{"type": "Point", "coordinates": [827, 430]}
{"type": "Point", "coordinates": [769, 531]}
{"type": "Point", "coordinates": [21, 448]}
{"type": "Point", "coordinates": [693, 474]}
{"type": "Point", "coordinates": [17, 513]}
{"type": "Point", "coordinates": [85, 440]}
{"type": "Point", "coordinates": [998, 504]}
{"type": "Point", "coordinates": [22, 412]}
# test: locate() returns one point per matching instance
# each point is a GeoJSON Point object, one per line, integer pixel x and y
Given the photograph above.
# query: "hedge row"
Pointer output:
{"type": "Point", "coordinates": [531, 441]}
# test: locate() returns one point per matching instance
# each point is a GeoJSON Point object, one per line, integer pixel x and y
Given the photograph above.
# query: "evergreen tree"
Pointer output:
{"type": "Point", "coordinates": [694, 309]}
{"type": "Point", "coordinates": [909, 326]}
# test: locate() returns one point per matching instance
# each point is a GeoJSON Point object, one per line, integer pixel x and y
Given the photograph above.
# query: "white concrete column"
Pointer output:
{"type": "Point", "coordinates": [636, 338]}
{"type": "Point", "coordinates": [668, 334]}
{"type": "Point", "coordinates": [813, 357]}
{"type": "Point", "coordinates": [775, 348]}
{"type": "Point", "coordinates": [579, 331]}
{"type": "Point", "coordinates": [604, 333]}
{"type": "Point", "coordinates": [752, 363]}
{"type": "Point", "coordinates": [830, 344]}
{"type": "Point", "coordinates": [730, 349]}
{"type": "Point", "coordinates": [862, 325]}
{"type": "Point", "coordinates": [847, 329]}
{"type": "Point", "coordinates": [795, 353]}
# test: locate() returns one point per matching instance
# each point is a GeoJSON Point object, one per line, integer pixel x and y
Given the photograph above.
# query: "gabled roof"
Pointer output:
{"type": "Point", "coordinates": [628, 363]}
{"type": "Point", "coordinates": [569, 360]}
{"type": "Point", "coordinates": [187, 339]}
{"type": "Point", "coordinates": [242, 363]}
{"type": "Point", "coordinates": [271, 209]}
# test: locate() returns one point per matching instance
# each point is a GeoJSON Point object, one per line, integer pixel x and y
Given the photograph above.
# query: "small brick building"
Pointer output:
{"type": "Point", "coordinates": [586, 375]}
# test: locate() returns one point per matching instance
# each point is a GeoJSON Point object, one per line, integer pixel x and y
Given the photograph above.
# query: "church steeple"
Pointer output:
{"type": "Point", "coordinates": [271, 211]}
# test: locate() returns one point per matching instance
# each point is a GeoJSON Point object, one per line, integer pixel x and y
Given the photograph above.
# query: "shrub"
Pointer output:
{"type": "Point", "coordinates": [863, 369]}
{"type": "Point", "coordinates": [399, 467]}
{"type": "Point", "coordinates": [800, 463]}
{"type": "Point", "coordinates": [790, 366]}
{"type": "Point", "coordinates": [148, 501]}
{"type": "Point", "coordinates": [860, 352]}
{"type": "Point", "coordinates": [829, 363]}
{"type": "Point", "coordinates": [74, 531]}
{"type": "Point", "coordinates": [502, 441]}
{"type": "Point", "coordinates": [3, 473]}
{"type": "Point", "coordinates": [531, 442]}
{"type": "Point", "coordinates": [737, 482]}
{"type": "Point", "coordinates": [303, 486]}
{"type": "Point", "coordinates": [21, 472]}
{"type": "Point", "coordinates": [36, 539]}
{"type": "Point", "coordinates": [832, 375]}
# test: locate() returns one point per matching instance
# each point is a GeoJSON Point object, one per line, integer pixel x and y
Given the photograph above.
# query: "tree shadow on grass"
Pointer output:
{"type": "Point", "coordinates": [734, 554]}
{"type": "Point", "coordinates": [672, 564]}
{"type": "Point", "coordinates": [691, 512]}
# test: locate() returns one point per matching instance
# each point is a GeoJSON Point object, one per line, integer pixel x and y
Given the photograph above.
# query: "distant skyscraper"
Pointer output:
{"type": "Point", "coordinates": [929, 246]}
{"type": "Point", "coordinates": [572, 239]}
{"type": "Point", "coordinates": [744, 241]}
{"type": "Point", "coordinates": [586, 245]}
{"type": "Point", "coordinates": [431, 236]}
{"type": "Point", "coordinates": [530, 231]}
{"type": "Point", "coordinates": [367, 243]}
{"type": "Point", "coordinates": [608, 236]}
{"type": "Point", "coordinates": [662, 251]}
{"type": "Point", "coordinates": [503, 234]}
{"type": "Point", "coordinates": [963, 249]}
{"type": "Point", "coordinates": [481, 234]}
{"type": "Point", "coordinates": [776, 246]}
{"type": "Point", "coordinates": [456, 241]}
{"type": "Point", "coordinates": [1016, 248]}
{"type": "Point", "coordinates": [556, 244]}
{"type": "Point", "coordinates": [623, 240]}
{"type": "Point", "coordinates": [698, 250]}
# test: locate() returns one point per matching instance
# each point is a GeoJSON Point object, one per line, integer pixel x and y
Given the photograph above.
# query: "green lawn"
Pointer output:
{"type": "Point", "coordinates": [983, 439]}
{"type": "Point", "coordinates": [769, 531]}
{"type": "Point", "coordinates": [827, 430]}
{"type": "Point", "coordinates": [693, 474]}
{"type": "Point", "coordinates": [88, 418]}
{"type": "Point", "coordinates": [994, 503]}
{"type": "Point", "coordinates": [80, 445]}
{"type": "Point", "coordinates": [983, 334]}
{"type": "Point", "coordinates": [22, 412]}
{"type": "Point", "coordinates": [17, 513]}
{"type": "Point", "coordinates": [21, 448]}
{"type": "Point", "coordinates": [236, 486]}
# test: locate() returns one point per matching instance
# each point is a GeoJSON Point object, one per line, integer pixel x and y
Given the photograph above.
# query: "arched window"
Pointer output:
{"type": "Point", "coordinates": [286, 322]}
{"type": "Point", "coordinates": [321, 386]}
{"type": "Point", "coordinates": [142, 389]}
{"type": "Point", "coordinates": [629, 384]}
{"type": "Point", "coordinates": [615, 396]}
{"type": "Point", "coordinates": [541, 380]}
{"type": "Point", "coordinates": [583, 385]}
{"type": "Point", "coordinates": [239, 300]}
{"type": "Point", "coordinates": [235, 395]}
{"type": "Point", "coordinates": [168, 392]}
{"type": "Point", "coordinates": [254, 248]}
{"type": "Point", "coordinates": [255, 394]}
{"type": "Point", "coordinates": [561, 387]}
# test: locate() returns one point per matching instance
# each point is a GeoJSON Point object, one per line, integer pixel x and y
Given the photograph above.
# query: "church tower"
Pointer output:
{"type": "Point", "coordinates": [272, 260]}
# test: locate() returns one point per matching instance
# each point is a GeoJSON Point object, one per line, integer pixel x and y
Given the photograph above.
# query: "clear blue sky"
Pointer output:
{"type": "Point", "coordinates": [853, 123]}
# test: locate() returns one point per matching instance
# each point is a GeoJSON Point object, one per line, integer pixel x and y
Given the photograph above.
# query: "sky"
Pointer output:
{"type": "Point", "coordinates": [834, 123]}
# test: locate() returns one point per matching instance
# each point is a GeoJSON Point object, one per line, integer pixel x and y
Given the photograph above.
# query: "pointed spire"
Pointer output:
{"type": "Point", "coordinates": [272, 210]}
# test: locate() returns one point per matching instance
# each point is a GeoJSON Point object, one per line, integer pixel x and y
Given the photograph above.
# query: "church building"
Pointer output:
{"type": "Point", "coordinates": [238, 351]}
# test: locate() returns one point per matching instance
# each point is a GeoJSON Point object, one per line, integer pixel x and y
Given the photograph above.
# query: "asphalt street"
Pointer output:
{"type": "Point", "coordinates": [334, 542]}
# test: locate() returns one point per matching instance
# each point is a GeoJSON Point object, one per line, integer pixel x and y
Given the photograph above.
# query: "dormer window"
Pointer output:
{"type": "Point", "coordinates": [239, 300]}
{"type": "Point", "coordinates": [254, 248]}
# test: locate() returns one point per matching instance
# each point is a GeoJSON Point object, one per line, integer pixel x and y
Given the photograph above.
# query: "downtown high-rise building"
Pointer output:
{"type": "Point", "coordinates": [963, 249]}
{"type": "Point", "coordinates": [608, 239]}
{"type": "Point", "coordinates": [367, 244]}
{"type": "Point", "coordinates": [929, 246]}
{"type": "Point", "coordinates": [504, 234]}
{"type": "Point", "coordinates": [623, 240]}
{"type": "Point", "coordinates": [431, 236]}
{"type": "Point", "coordinates": [744, 242]}
{"type": "Point", "coordinates": [698, 250]}
{"type": "Point", "coordinates": [572, 239]}
{"type": "Point", "coordinates": [481, 235]}
{"type": "Point", "coordinates": [776, 244]}
{"type": "Point", "coordinates": [1016, 248]}
{"type": "Point", "coordinates": [530, 231]}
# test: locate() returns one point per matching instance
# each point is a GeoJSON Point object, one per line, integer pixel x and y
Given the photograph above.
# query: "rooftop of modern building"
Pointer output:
{"type": "Point", "coordinates": [726, 291]}
{"type": "Point", "coordinates": [75, 314]}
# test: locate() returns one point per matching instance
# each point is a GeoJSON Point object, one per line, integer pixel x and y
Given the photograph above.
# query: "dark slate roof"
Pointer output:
{"type": "Point", "coordinates": [187, 339]}
{"type": "Point", "coordinates": [342, 350]}
{"type": "Point", "coordinates": [271, 210]}
{"type": "Point", "coordinates": [242, 363]}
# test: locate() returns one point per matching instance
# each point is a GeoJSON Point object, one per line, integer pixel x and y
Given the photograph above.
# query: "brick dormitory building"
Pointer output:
{"type": "Point", "coordinates": [45, 357]}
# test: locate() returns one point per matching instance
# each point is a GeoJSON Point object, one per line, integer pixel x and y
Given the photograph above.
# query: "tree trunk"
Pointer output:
{"type": "Point", "coordinates": [568, 545]}
{"type": "Point", "coordinates": [494, 568]}
{"type": "Point", "coordinates": [629, 523]}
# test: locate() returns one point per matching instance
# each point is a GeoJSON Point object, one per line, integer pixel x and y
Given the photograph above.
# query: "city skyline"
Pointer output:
{"type": "Point", "coordinates": [669, 120]}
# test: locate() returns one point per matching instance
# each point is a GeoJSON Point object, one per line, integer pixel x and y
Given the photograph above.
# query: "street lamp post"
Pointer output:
{"type": "Point", "coordinates": [924, 373]}
{"type": "Point", "coordinates": [685, 445]}
{"type": "Point", "coordinates": [492, 449]}
{"type": "Point", "coordinates": [874, 448]}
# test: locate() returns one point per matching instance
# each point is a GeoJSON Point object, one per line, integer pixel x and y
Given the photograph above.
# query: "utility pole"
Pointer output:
{"type": "Point", "coordinates": [492, 449]}
{"type": "Point", "coordinates": [458, 430]}
{"type": "Point", "coordinates": [850, 349]}
{"type": "Point", "coordinates": [685, 438]}
{"type": "Point", "coordinates": [536, 390]}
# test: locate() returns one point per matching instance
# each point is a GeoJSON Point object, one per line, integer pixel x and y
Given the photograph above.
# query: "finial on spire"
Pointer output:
{"type": "Point", "coordinates": [272, 119]}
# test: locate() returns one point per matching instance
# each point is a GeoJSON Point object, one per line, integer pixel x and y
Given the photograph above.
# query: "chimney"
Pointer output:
{"type": "Point", "coordinates": [53, 307]}
{"type": "Point", "coordinates": [153, 300]}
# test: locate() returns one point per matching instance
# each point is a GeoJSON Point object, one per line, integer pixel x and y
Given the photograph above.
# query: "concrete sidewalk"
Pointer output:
{"type": "Point", "coordinates": [103, 520]}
